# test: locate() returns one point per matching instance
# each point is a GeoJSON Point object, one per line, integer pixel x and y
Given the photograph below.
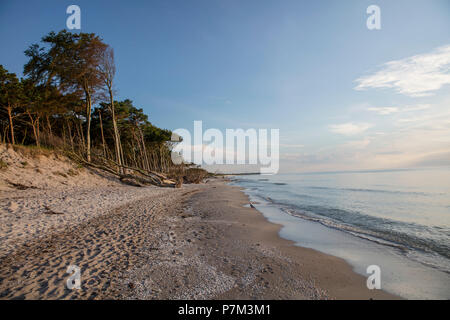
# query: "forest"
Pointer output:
{"type": "Point", "coordinates": [66, 102]}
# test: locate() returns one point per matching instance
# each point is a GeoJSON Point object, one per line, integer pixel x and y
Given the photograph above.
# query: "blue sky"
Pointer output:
{"type": "Point", "coordinates": [310, 68]}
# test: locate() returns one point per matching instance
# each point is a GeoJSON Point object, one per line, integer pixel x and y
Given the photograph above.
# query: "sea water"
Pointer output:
{"type": "Point", "coordinates": [396, 219]}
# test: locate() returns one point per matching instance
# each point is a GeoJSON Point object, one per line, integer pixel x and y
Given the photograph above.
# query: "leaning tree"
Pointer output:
{"type": "Point", "coordinates": [71, 62]}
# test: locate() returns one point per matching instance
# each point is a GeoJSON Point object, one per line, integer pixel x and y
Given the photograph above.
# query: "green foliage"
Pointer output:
{"type": "Point", "coordinates": [10, 88]}
{"type": "Point", "coordinates": [51, 106]}
{"type": "Point", "coordinates": [195, 175]}
{"type": "Point", "coordinates": [32, 150]}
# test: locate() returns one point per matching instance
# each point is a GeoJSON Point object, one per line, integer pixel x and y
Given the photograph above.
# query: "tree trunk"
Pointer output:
{"type": "Point", "coordinates": [64, 135]}
{"type": "Point", "coordinates": [103, 136]}
{"type": "Point", "coordinates": [38, 130]}
{"type": "Point", "coordinates": [116, 131]}
{"type": "Point", "coordinates": [146, 162]}
{"type": "Point", "coordinates": [5, 133]}
{"type": "Point", "coordinates": [11, 124]}
{"type": "Point", "coordinates": [24, 135]}
{"type": "Point", "coordinates": [121, 153]}
{"type": "Point", "coordinates": [49, 126]}
{"type": "Point", "coordinates": [88, 126]}
{"type": "Point", "coordinates": [34, 124]}
{"type": "Point", "coordinates": [81, 135]}
{"type": "Point", "coordinates": [70, 134]}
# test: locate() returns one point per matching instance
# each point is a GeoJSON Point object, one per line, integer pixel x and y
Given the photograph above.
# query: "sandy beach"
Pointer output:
{"type": "Point", "coordinates": [175, 151]}
{"type": "Point", "coordinates": [196, 242]}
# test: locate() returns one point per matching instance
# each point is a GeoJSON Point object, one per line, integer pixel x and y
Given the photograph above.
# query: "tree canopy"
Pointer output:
{"type": "Point", "coordinates": [66, 100]}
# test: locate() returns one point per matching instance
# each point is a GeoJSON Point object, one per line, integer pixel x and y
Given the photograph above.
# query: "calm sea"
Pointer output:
{"type": "Point", "coordinates": [404, 210]}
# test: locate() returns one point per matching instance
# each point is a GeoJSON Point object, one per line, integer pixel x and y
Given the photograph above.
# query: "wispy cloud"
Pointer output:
{"type": "Point", "coordinates": [412, 119]}
{"type": "Point", "coordinates": [416, 76]}
{"type": "Point", "coordinates": [384, 110]}
{"type": "Point", "coordinates": [417, 107]}
{"type": "Point", "coordinates": [350, 128]}
{"type": "Point", "coordinates": [390, 110]}
{"type": "Point", "coordinates": [291, 145]}
{"type": "Point", "coordinates": [358, 144]}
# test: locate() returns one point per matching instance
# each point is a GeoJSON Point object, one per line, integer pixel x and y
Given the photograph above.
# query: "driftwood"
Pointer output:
{"type": "Point", "coordinates": [131, 182]}
{"type": "Point", "coordinates": [147, 173]}
{"type": "Point", "coordinates": [20, 186]}
{"type": "Point", "coordinates": [50, 211]}
{"type": "Point", "coordinates": [147, 178]}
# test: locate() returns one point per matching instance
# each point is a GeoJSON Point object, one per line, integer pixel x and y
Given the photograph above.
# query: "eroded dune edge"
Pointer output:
{"type": "Point", "coordinates": [194, 242]}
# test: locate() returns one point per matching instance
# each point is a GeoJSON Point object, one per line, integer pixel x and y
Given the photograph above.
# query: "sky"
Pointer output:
{"type": "Point", "coordinates": [343, 97]}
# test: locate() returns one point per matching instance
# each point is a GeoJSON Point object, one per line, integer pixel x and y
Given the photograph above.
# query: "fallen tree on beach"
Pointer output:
{"type": "Point", "coordinates": [128, 175]}
{"type": "Point", "coordinates": [66, 103]}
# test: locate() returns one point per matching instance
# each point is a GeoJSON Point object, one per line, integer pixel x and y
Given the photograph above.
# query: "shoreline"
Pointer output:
{"type": "Point", "coordinates": [196, 242]}
{"type": "Point", "coordinates": [401, 274]}
{"type": "Point", "coordinates": [335, 275]}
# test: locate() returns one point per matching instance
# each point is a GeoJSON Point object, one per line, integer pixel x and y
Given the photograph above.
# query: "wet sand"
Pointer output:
{"type": "Point", "coordinates": [197, 242]}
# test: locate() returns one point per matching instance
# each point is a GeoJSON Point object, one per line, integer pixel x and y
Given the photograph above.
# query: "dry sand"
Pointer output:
{"type": "Point", "coordinates": [30, 168]}
{"type": "Point", "coordinates": [197, 242]}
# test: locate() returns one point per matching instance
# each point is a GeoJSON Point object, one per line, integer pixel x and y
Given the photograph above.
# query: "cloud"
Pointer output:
{"type": "Point", "coordinates": [292, 145]}
{"type": "Point", "coordinates": [417, 107]}
{"type": "Point", "coordinates": [412, 119]}
{"type": "Point", "coordinates": [358, 144]}
{"type": "Point", "coordinates": [435, 159]}
{"type": "Point", "coordinates": [428, 121]}
{"type": "Point", "coordinates": [384, 110]}
{"type": "Point", "coordinates": [390, 110]}
{"type": "Point", "coordinates": [350, 128]}
{"type": "Point", "coordinates": [406, 139]}
{"type": "Point", "coordinates": [416, 76]}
